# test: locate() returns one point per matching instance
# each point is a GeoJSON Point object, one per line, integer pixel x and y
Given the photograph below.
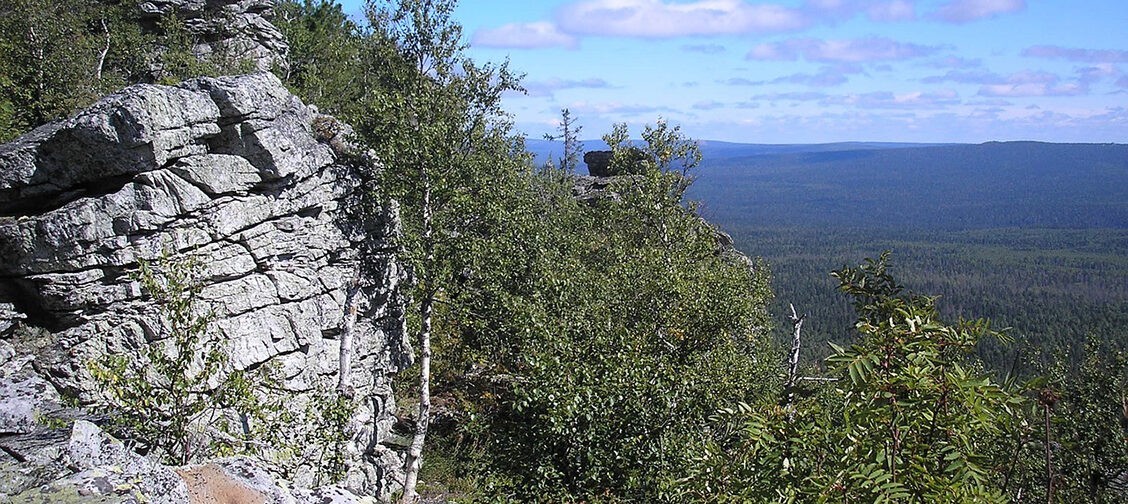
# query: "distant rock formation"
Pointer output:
{"type": "Point", "coordinates": [634, 161]}
{"type": "Point", "coordinates": [236, 30]}
{"type": "Point", "coordinates": [598, 163]}
{"type": "Point", "coordinates": [237, 172]}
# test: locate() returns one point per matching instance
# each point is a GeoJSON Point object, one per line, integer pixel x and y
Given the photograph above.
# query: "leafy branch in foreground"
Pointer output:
{"type": "Point", "coordinates": [910, 417]}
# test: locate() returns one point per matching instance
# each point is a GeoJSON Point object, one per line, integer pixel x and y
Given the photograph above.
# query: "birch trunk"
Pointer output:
{"type": "Point", "coordinates": [414, 460]}
{"type": "Point", "coordinates": [793, 360]}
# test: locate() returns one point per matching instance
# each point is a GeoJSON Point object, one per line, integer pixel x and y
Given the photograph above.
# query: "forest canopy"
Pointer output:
{"type": "Point", "coordinates": [612, 348]}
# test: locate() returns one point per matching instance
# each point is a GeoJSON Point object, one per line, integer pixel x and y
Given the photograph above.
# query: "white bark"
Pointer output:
{"type": "Point", "coordinates": [414, 460]}
{"type": "Point", "coordinates": [102, 54]}
{"type": "Point", "coordinates": [793, 360]}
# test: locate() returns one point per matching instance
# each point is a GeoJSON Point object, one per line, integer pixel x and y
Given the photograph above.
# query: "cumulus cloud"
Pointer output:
{"type": "Point", "coordinates": [908, 100]}
{"type": "Point", "coordinates": [873, 100]}
{"type": "Point", "coordinates": [1073, 54]}
{"type": "Point", "coordinates": [845, 51]}
{"type": "Point", "coordinates": [964, 11]}
{"type": "Point", "coordinates": [660, 18]}
{"type": "Point", "coordinates": [955, 62]}
{"type": "Point", "coordinates": [792, 96]}
{"type": "Point", "coordinates": [590, 108]}
{"type": "Point", "coordinates": [875, 10]}
{"type": "Point", "coordinates": [897, 10]}
{"type": "Point", "coordinates": [966, 77]}
{"type": "Point", "coordinates": [1029, 83]}
{"type": "Point", "coordinates": [741, 81]}
{"type": "Point", "coordinates": [827, 76]}
{"type": "Point", "coordinates": [1096, 73]}
{"type": "Point", "coordinates": [524, 36]}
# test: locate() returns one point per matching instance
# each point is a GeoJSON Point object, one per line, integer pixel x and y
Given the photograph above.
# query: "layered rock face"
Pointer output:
{"type": "Point", "coordinates": [240, 174]}
{"type": "Point", "coordinates": [235, 30]}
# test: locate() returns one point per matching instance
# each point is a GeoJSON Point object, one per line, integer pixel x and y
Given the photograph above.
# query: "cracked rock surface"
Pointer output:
{"type": "Point", "coordinates": [233, 171]}
{"type": "Point", "coordinates": [235, 30]}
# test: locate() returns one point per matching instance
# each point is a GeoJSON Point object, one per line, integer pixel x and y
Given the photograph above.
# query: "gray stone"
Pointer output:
{"type": "Point", "coordinates": [232, 30]}
{"type": "Point", "coordinates": [228, 170]}
{"type": "Point", "coordinates": [108, 468]}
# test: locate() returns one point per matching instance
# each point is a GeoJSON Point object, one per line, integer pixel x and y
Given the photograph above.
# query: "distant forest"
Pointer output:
{"type": "Point", "coordinates": [1033, 236]}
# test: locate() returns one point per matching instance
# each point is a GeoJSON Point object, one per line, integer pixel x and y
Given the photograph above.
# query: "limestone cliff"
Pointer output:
{"type": "Point", "coordinates": [233, 170]}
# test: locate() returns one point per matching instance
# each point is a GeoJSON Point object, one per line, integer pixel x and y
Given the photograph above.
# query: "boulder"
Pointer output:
{"type": "Point", "coordinates": [598, 163]}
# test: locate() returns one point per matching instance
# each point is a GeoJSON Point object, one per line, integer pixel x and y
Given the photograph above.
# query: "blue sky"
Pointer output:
{"type": "Point", "coordinates": [812, 71]}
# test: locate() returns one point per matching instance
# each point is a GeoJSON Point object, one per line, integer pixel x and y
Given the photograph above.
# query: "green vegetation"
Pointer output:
{"type": "Point", "coordinates": [612, 349]}
{"type": "Point", "coordinates": [164, 398]}
{"type": "Point", "coordinates": [570, 138]}
{"type": "Point", "coordinates": [666, 149]}
{"type": "Point", "coordinates": [908, 418]}
{"type": "Point", "coordinates": [1029, 235]}
{"type": "Point", "coordinates": [604, 345]}
{"type": "Point", "coordinates": [58, 56]}
{"type": "Point", "coordinates": [1051, 287]}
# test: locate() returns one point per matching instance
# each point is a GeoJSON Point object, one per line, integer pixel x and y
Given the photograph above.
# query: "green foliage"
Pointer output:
{"type": "Point", "coordinates": [48, 52]}
{"type": "Point", "coordinates": [909, 418]}
{"type": "Point", "coordinates": [174, 58]}
{"type": "Point", "coordinates": [667, 149]}
{"type": "Point", "coordinates": [328, 416]}
{"type": "Point", "coordinates": [329, 58]}
{"type": "Point", "coordinates": [1086, 397]}
{"type": "Point", "coordinates": [1051, 287]}
{"type": "Point", "coordinates": [57, 56]}
{"type": "Point", "coordinates": [598, 339]}
{"type": "Point", "coordinates": [164, 396]}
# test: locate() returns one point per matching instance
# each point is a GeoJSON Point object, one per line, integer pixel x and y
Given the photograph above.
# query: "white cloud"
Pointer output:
{"type": "Point", "coordinates": [524, 36]}
{"type": "Point", "coordinates": [875, 10]}
{"type": "Point", "coordinates": [1017, 90]}
{"type": "Point", "coordinates": [845, 51]}
{"type": "Point", "coordinates": [708, 105]}
{"type": "Point", "coordinates": [659, 18]}
{"type": "Point", "coordinates": [1073, 54]}
{"type": "Point", "coordinates": [704, 48]}
{"type": "Point", "coordinates": [963, 11]}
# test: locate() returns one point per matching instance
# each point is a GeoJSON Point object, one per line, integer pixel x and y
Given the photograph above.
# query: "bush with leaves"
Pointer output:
{"type": "Point", "coordinates": [911, 417]}
{"type": "Point", "coordinates": [599, 336]}
{"type": "Point", "coordinates": [667, 149]}
{"type": "Point", "coordinates": [179, 397]}
{"type": "Point", "coordinates": [1076, 449]}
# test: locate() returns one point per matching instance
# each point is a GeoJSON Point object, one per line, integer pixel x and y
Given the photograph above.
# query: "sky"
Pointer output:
{"type": "Point", "coordinates": [813, 71]}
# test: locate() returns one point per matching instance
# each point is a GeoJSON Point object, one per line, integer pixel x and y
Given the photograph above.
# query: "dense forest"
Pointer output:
{"type": "Point", "coordinates": [1030, 235]}
{"type": "Point", "coordinates": [611, 349]}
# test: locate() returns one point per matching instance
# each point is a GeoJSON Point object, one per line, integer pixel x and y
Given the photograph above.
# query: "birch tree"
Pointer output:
{"type": "Point", "coordinates": [445, 142]}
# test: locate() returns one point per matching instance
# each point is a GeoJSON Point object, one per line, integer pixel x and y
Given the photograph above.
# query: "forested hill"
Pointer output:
{"type": "Point", "coordinates": [1031, 235]}
{"type": "Point", "coordinates": [950, 187]}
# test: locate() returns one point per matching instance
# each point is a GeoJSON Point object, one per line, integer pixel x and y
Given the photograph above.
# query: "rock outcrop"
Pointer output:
{"type": "Point", "coordinates": [232, 30]}
{"type": "Point", "coordinates": [598, 163]}
{"type": "Point", "coordinates": [634, 161]}
{"type": "Point", "coordinates": [239, 173]}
